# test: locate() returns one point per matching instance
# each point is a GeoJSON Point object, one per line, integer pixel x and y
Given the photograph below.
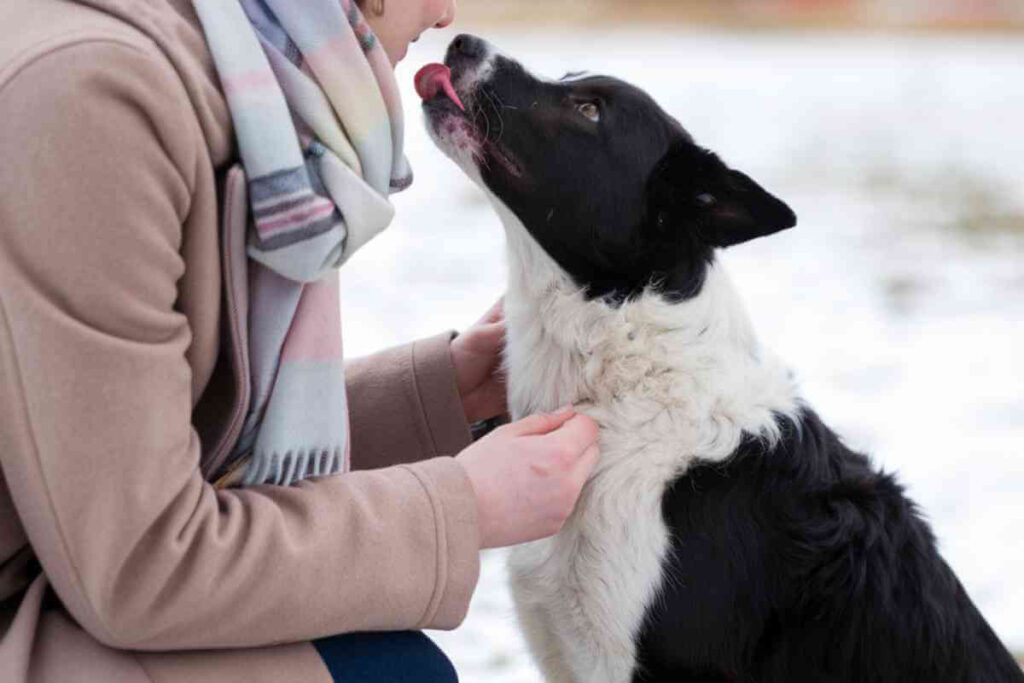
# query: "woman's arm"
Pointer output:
{"type": "Point", "coordinates": [414, 401]}
{"type": "Point", "coordinates": [96, 444]}
{"type": "Point", "coordinates": [404, 405]}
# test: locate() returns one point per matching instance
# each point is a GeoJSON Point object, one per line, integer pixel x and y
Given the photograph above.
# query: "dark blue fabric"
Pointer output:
{"type": "Point", "coordinates": [398, 657]}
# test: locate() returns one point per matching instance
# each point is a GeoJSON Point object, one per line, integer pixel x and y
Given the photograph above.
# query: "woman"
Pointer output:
{"type": "Point", "coordinates": [152, 342]}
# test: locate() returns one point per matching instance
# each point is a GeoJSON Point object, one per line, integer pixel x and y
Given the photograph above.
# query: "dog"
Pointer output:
{"type": "Point", "coordinates": [727, 534]}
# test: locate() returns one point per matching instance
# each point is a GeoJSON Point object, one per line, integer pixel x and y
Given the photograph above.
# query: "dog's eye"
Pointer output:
{"type": "Point", "coordinates": [590, 110]}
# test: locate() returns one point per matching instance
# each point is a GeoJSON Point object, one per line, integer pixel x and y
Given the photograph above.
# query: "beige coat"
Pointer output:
{"type": "Point", "coordinates": [122, 384]}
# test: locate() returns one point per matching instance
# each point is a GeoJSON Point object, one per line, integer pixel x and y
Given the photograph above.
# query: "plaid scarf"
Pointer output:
{"type": "Point", "coordinates": [319, 126]}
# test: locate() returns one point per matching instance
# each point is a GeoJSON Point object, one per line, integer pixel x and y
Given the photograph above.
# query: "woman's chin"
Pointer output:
{"type": "Point", "coordinates": [395, 55]}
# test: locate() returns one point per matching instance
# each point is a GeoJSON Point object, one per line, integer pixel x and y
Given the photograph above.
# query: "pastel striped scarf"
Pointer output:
{"type": "Point", "coordinates": [319, 124]}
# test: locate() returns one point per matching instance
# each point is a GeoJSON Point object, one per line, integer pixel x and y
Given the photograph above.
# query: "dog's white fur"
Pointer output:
{"type": "Point", "coordinates": [667, 384]}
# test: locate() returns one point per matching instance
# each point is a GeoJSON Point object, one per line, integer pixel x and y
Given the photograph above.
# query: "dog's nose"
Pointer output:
{"type": "Point", "coordinates": [466, 47]}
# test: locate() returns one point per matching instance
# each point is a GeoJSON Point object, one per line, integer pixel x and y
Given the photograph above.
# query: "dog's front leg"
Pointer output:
{"type": "Point", "coordinates": [611, 557]}
{"type": "Point", "coordinates": [569, 659]}
{"type": "Point", "coordinates": [545, 646]}
{"type": "Point", "coordinates": [535, 583]}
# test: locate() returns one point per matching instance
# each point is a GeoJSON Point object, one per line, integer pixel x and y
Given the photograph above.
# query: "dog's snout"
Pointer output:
{"type": "Point", "coordinates": [469, 46]}
{"type": "Point", "coordinates": [465, 49]}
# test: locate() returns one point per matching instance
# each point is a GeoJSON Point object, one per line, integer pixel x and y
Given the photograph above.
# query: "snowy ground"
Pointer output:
{"type": "Point", "coordinates": [899, 299]}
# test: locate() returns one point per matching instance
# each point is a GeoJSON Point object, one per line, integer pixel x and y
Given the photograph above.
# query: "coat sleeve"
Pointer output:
{"type": "Point", "coordinates": [404, 405]}
{"type": "Point", "coordinates": [96, 441]}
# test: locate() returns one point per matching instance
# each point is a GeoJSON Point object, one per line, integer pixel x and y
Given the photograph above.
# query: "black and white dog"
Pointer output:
{"type": "Point", "coordinates": [727, 534]}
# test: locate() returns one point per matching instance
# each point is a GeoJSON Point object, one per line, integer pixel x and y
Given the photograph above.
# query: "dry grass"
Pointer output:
{"type": "Point", "coordinates": [733, 14]}
{"type": "Point", "coordinates": [970, 205]}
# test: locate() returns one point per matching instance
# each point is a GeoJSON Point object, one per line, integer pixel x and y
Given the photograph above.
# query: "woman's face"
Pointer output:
{"type": "Point", "coordinates": [404, 20]}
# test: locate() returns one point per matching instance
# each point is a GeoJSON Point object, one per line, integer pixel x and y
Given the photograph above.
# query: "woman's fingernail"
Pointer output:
{"type": "Point", "coordinates": [568, 407]}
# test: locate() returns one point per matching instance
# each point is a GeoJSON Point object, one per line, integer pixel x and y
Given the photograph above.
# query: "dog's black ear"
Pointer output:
{"type": "Point", "coordinates": [691, 187]}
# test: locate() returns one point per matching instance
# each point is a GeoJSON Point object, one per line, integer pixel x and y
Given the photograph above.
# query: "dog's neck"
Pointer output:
{"type": "Point", "coordinates": [648, 370]}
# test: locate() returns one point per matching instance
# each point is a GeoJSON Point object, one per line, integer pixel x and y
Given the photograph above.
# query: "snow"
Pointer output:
{"type": "Point", "coordinates": [898, 300]}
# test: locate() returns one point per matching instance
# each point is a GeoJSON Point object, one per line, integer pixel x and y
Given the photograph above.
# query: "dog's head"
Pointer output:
{"type": "Point", "coordinates": [612, 187]}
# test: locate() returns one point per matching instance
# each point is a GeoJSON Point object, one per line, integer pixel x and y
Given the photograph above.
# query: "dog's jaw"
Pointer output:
{"type": "Point", "coordinates": [452, 130]}
{"type": "Point", "coordinates": [457, 138]}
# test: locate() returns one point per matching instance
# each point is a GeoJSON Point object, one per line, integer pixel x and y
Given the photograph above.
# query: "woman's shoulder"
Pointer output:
{"type": "Point", "coordinates": [30, 30]}
{"type": "Point", "coordinates": [100, 142]}
{"type": "Point", "coordinates": [153, 50]}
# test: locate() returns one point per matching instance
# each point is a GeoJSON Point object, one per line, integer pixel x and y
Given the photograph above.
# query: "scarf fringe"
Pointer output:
{"type": "Point", "coordinates": [293, 466]}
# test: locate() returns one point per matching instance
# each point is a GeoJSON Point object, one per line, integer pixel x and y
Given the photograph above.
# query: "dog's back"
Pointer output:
{"type": "Point", "coordinates": [801, 562]}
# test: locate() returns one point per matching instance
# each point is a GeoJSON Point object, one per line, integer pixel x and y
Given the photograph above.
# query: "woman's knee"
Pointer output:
{"type": "Point", "coordinates": [395, 657]}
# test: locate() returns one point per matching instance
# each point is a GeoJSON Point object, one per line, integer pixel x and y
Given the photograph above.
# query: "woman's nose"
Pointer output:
{"type": "Point", "coordinates": [449, 15]}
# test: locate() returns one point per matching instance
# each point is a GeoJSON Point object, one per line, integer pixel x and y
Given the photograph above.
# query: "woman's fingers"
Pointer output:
{"type": "Point", "coordinates": [586, 464]}
{"type": "Point", "coordinates": [495, 313]}
{"type": "Point", "coordinates": [576, 435]}
{"type": "Point", "coordinates": [528, 475]}
{"type": "Point", "coordinates": [489, 338]}
{"type": "Point", "coordinates": [539, 424]}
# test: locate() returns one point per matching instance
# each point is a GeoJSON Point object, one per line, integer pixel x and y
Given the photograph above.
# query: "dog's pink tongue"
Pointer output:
{"type": "Point", "coordinates": [433, 78]}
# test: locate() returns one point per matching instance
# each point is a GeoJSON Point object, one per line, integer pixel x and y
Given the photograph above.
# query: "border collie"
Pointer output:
{"type": "Point", "coordinates": [727, 534]}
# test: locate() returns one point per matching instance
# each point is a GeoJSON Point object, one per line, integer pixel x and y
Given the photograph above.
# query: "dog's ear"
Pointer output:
{"type": "Point", "coordinates": [692, 187]}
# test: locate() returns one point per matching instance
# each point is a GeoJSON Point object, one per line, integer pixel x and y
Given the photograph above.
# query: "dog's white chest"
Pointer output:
{"type": "Point", "coordinates": [667, 383]}
{"type": "Point", "coordinates": [582, 594]}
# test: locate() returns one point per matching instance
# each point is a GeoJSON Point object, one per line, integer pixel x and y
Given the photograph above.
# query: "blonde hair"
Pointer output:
{"type": "Point", "coordinates": [377, 8]}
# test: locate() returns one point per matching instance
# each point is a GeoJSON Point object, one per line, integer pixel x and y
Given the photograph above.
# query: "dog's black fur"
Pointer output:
{"type": "Point", "coordinates": [791, 564]}
{"type": "Point", "coordinates": [804, 563]}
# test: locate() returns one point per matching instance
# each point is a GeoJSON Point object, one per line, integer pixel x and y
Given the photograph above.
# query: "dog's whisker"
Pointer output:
{"type": "Point", "coordinates": [479, 112]}
{"type": "Point", "coordinates": [497, 112]}
{"type": "Point", "coordinates": [486, 97]}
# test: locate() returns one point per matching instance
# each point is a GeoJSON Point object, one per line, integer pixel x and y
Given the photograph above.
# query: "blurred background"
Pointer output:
{"type": "Point", "coordinates": [893, 128]}
{"type": "Point", "coordinates": [994, 15]}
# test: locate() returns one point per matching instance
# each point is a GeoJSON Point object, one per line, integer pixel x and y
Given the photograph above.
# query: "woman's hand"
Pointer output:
{"type": "Point", "coordinates": [476, 355]}
{"type": "Point", "coordinates": [527, 475]}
